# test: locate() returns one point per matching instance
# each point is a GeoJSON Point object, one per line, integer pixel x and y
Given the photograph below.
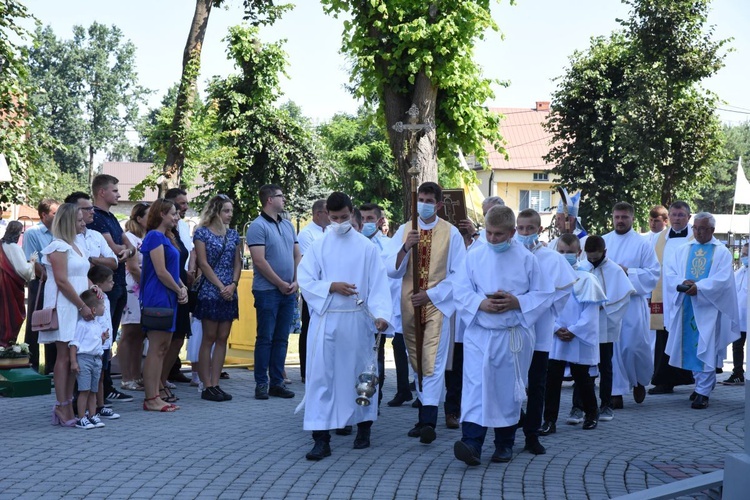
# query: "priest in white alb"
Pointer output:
{"type": "Point", "coordinates": [500, 295]}
{"type": "Point", "coordinates": [336, 272]}
{"type": "Point", "coordinates": [632, 362]}
{"type": "Point", "coordinates": [703, 316]}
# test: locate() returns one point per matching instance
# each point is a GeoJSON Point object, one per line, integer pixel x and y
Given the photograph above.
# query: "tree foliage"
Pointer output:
{"type": "Point", "coordinates": [269, 143]}
{"type": "Point", "coordinates": [411, 52]}
{"type": "Point", "coordinates": [90, 95]}
{"type": "Point", "coordinates": [717, 196]}
{"type": "Point", "coordinates": [630, 121]}
{"type": "Point", "coordinates": [357, 150]}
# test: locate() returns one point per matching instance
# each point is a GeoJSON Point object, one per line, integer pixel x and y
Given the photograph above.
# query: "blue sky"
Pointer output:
{"type": "Point", "coordinates": [540, 35]}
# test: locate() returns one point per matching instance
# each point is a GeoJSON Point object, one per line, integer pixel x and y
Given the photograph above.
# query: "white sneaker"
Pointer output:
{"type": "Point", "coordinates": [575, 417]}
{"type": "Point", "coordinates": [84, 423]}
{"type": "Point", "coordinates": [96, 421]}
{"type": "Point", "coordinates": [606, 414]}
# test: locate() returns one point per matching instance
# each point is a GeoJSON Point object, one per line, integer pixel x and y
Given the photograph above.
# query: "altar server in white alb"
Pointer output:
{"type": "Point", "coordinates": [556, 271]}
{"type": "Point", "coordinates": [633, 362]}
{"type": "Point", "coordinates": [703, 316]}
{"type": "Point", "coordinates": [335, 273]}
{"type": "Point", "coordinates": [500, 295]}
{"type": "Point", "coordinates": [576, 340]}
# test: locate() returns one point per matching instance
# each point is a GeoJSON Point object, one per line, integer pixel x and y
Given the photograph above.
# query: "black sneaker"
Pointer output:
{"type": "Point", "coordinates": [116, 395]}
{"type": "Point", "coordinates": [261, 391]}
{"type": "Point", "coordinates": [735, 379]}
{"type": "Point", "coordinates": [280, 391]}
{"type": "Point", "coordinates": [211, 394]}
{"type": "Point", "coordinates": [227, 396]}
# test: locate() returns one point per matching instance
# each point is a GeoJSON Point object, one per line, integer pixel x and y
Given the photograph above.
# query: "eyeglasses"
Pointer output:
{"type": "Point", "coordinates": [278, 196]}
{"type": "Point", "coordinates": [142, 204]}
{"type": "Point", "coordinates": [88, 209]}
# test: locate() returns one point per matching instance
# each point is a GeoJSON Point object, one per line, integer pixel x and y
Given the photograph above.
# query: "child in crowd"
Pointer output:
{"type": "Point", "coordinates": [102, 279]}
{"type": "Point", "coordinates": [86, 360]}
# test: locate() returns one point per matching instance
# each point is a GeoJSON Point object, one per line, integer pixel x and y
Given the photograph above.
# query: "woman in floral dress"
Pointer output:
{"type": "Point", "coordinates": [218, 253]}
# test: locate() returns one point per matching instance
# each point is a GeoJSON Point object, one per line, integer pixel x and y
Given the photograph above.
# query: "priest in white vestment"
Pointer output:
{"type": "Point", "coordinates": [703, 315]}
{"type": "Point", "coordinates": [500, 295]}
{"type": "Point", "coordinates": [737, 377]}
{"type": "Point", "coordinates": [336, 272]}
{"type": "Point", "coordinates": [666, 376]}
{"type": "Point", "coordinates": [632, 362]}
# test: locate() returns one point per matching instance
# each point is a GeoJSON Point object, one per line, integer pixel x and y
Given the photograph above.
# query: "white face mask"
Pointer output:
{"type": "Point", "coordinates": [340, 228]}
{"type": "Point", "coordinates": [369, 228]}
{"type": "Point", "coordinates": [425, 210]}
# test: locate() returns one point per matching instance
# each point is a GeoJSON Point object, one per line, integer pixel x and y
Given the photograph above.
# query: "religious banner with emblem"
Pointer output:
{"type": "Point", "coordinates": [454, 206]}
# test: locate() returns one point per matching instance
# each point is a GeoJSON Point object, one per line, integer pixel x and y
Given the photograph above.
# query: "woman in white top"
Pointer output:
{"type": "Point", "coordinates": [67, 267]}
{"type": "Point", "coordinates": [15, 272]}
{"type": "Point", "coordinates": [130, 346]}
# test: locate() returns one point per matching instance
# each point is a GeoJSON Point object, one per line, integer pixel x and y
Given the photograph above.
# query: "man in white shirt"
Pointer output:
{"type": "Point", "coordinates": [311, 232]}
{"type": "Point", "coordinates": [99, 251]}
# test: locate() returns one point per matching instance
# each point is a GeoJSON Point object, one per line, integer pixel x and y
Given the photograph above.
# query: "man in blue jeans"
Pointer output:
{"type": "Point", "coordinates": [275, 253]}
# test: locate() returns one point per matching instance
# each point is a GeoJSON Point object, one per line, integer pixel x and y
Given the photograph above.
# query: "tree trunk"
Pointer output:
{"type": "Point", "coordinates": [420, 145]}
{"type": "Point", "coordinates": [175, 161]}
{"type": "Point", "coordinates": [91, 164]}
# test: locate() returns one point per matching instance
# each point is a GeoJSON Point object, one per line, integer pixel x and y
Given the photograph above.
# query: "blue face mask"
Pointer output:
{"type": "Point", "coordinates": [744, 261]}
{"type": "Point", "coordinates": [529, 241]}
{"type": "Point", "coordinates": [425, 210]}
{"type": "Point", "coordinates": [499, 247]}
{"type": "Point", "coordinates": [369, 228]}
{"type": "Point", "coordinates": [571, 258]}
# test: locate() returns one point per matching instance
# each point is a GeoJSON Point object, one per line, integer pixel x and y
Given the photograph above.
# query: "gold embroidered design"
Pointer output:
{"type": "Point", "coordinates": [698, 265]}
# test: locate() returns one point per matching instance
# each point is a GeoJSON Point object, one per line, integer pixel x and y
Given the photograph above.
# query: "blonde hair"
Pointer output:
{"type": "Point", "coordinates": [500, 216]}
{"type": "Point", "coordinates": [212, 209]}
{"type": "Point", "coordinates": [64, 224]}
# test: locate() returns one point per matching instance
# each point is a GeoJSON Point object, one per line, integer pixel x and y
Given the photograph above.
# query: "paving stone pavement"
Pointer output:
{"type": "Point", "coordinates": [246, 448]}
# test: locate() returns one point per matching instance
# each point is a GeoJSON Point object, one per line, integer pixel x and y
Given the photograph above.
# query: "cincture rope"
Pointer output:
{"type": "Point", "coordinates": [516, 345]}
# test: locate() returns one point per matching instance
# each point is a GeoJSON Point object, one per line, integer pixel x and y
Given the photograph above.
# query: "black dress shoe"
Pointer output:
{"type": "Point", "coordinates": [415, 431]}
{"type": "Point", "coordinates": [639, 393]}
{"type": "Point", "coordinates": [590, 423]}
{"type": "Point", "coordinates": [547, 429]}
{"type": "Point", "coordinates": [211, 394]}
{"type": "Point", "coordinates": [502, 455]}
{"type": "Point", "coordinates": [416, 404]}
{"type": "Point", "coordinates": [700, 402]}
{"type": "Point", "coordinates": [399, 399]}
{"type": "Point", "coordinates": [280, 391]}
{"type": "Point", "coordinates": [344, 431]}
{"type": "Point", "coordinates": [465, 453]}
{"type": "Point", "coordinates": [661, 389]}
{"type": "Point", "coordinates": [179, 377]}
{"type": "Point", "coordinates": [427, 434]}
{"type": "Point", "coordinates": [617, 403]}
{"type": "Point", "coordinates": [693, 395]}
{"type": "Point", "coordinates": [321, 450]}
{"type": "Point", "coordinates": [451, 421]}
{"type": "Point", "coordinates": [534, 446]}
{"type": "Point", "coordinates": [362, 440]}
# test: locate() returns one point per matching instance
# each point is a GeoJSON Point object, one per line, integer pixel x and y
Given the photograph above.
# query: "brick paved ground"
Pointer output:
{"type": "Point", "coordinates": [252, 449]}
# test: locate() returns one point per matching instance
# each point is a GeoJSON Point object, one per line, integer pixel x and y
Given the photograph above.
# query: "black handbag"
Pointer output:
{"type": "Point", "coordinates": [157, 318]}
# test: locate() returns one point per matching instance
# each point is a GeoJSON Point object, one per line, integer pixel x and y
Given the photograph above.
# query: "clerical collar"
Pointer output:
{"type": "Point", "coordinates": [428, 225]}
{"type": "Point", "coordinates": [681, 234]}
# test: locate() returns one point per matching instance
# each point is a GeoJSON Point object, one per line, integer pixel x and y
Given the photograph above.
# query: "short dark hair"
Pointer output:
{"type": "Point", "coordinates": [75, 196]}
{"type": "Point", "coordinates": [318, 206]}
{"type": "Point", "coordinates": [266, 192]}
{"type": "Point", "coordinates": [101, 181]}
{"type": "Point", "coordinates": [339, 201]}
{"type": "Point", "coordinates": [99, 274]}
{"type": "Point", "coordinates": [173, 193]}
{"type": "Point", "coordinates": [680, 204]}
{"type": "Point", "coordinates": [569, 239]}
{"type": "Point", "coordinates": [366, 207]}
{"type": "Point", "coordinates": [430, 187]}
{"type": "Point", "coordinates": [595, 243]}
{"type": "Point", "coordinates": [45, 206]}
{"type": "Point", "coordinates": [624, 206]}
{"type": "Point", "coordinates": [90, 298]}
{"type": "Point", "coordinates": [530, 213]}
{"type": "Point", "coordinates": [357, 216]}
{"type": "Point", "coordinates": [657, 212]}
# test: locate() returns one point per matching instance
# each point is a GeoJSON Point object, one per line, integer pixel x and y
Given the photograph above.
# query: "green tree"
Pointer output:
{"type": "Point", "coordinates": [411, 52]}
{"type": "Point", "coordinates": [718, 196]}
{"type": "Point", "coordinates": [269, 144]}
{"type": "Point", "coordinates": [357, 150]}
{"type": "Point", "coordinates": [91, 93]}
{"type": "Point", "coordinates": [630, 121]}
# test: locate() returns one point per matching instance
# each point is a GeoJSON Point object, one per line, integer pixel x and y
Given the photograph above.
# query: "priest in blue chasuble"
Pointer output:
{"type": "Point", "coordinates": [703, 313]}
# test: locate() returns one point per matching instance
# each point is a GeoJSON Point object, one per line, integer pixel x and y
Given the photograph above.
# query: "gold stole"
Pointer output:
{"type": "Point", "coordinates": [656, 303]}
{"type": "Point", "coordinates": [434, 245]}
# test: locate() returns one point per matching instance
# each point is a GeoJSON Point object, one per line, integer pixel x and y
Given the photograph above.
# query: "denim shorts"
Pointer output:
{"type": "Point", "coordinates": [90, 366]}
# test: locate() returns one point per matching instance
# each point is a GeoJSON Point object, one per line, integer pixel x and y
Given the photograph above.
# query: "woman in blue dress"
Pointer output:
{"type": "Point", "coordinates": [160, 287]}
{"type": "Point", "coordinates": [218, 253]}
